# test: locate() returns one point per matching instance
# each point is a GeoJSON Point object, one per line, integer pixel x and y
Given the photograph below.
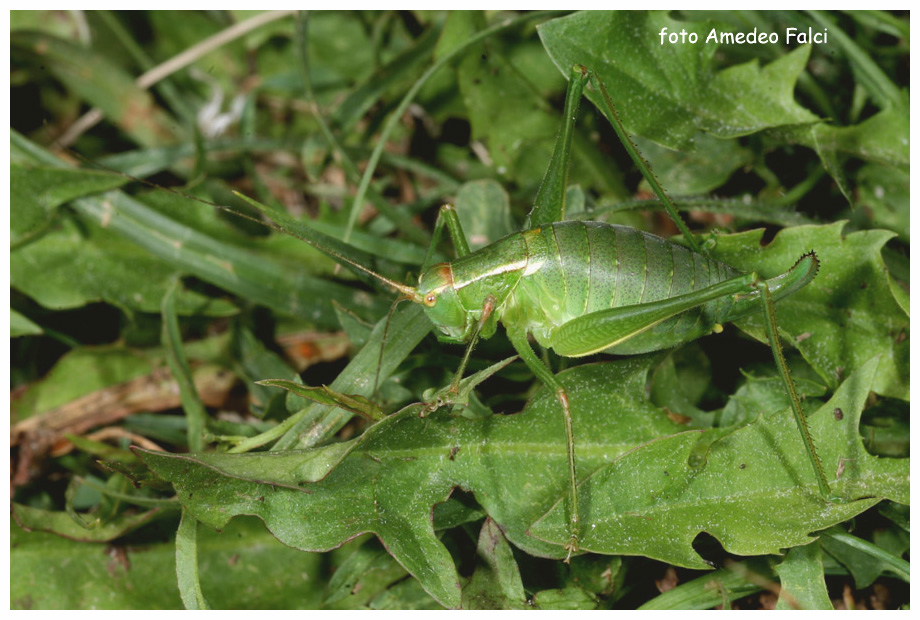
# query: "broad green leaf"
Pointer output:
{"type": "Point", "coordinates": [702, 169]}
{"type": "Point", "coordinates": [484, 212]}
{"type": "Point", "coordinates": [882, 138]}
{"type": "Point", "coordinates": [680, 381]}
{"type": "Point", "coordinates": [242, 567]}
{"type": "Point", "coordinates": [802, 576]}
{"type": "Point", "coordinates": [496, 582]}
{"type": "Point", "coordinates": [884, 194]}
{"type": "Point", "coordinates": [763, 396]}
{"type": "Point", "coordinates": [755, 493]}
{"type": "Point", "coordinates": [668, 93]}
{"type": "Point", "coordinates": [364, 574]}
{"type": "Point", "coordinates": [564, 599]}
{"type": "Point", "coordinates": [370, 577]}
{"type": "Point", "coordinates": [253, 362]}
{"type": "Point", "coordinates": [20, 325]}
{"type": "Point", "coordinates": [843, 318]}
{"type": "Point", "coordinates": [601, 575]}
{"type": "Point", "coordinates": [392, 476]}
{"type": "Point", "coordinates": [80, 372]}
{"type": "Point", "coordinates": [406, 594]}
{"type": "Point", "coordinates": [36, 191]}
{"type": "Point", "coordinates": [504, 109]}
{"type": "Point", "coordinates": [867, 561]}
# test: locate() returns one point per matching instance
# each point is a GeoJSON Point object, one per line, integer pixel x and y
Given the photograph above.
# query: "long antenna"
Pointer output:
{"type": "Point", "coordinates": [324, 243]}
{"type": "Point", "coordinates": [287, 225]}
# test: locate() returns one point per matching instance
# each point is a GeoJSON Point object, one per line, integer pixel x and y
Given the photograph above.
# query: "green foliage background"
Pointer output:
{"type": "Point", "coordinates": [358, 125]}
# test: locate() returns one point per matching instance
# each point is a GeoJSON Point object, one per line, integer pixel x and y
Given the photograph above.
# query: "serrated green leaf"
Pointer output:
{"type": "Point", "coordinates": [843, 318]}
{"type": "Point", "coordinates": [882, 138]}
{"type": "Point", "coordinates": [754, 494]}
{"type": "Point", "coordinates": [391, 477]}
{"type": "Point", "coordinates": [667, 93]}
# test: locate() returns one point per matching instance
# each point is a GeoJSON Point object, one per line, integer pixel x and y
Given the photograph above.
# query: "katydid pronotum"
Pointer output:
{"type": "Point", "coordinates": [588, 287]}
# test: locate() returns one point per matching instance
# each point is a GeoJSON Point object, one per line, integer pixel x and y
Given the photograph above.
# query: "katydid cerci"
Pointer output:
{"type": "Point", "coordinates": [581, 287]}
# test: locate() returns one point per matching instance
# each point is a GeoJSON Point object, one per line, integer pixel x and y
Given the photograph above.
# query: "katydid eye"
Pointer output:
{"type": "Point", "coordinates": [430, 299]}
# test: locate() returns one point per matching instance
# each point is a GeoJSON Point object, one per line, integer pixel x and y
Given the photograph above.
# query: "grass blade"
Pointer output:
{"type": "Point", "coordinates": [191, 403]}
{"type": "Point", "coordinates": [187, 563]}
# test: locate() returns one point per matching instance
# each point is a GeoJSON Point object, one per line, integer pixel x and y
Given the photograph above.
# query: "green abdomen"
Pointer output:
{"type": "Point", "coordinates": [575, 268]}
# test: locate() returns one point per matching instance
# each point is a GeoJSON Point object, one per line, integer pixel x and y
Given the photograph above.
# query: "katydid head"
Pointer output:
{"type": "Point", "coordinates": [437, 294]}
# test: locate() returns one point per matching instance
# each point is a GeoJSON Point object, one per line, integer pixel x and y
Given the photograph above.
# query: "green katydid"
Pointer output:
{"type": "Point", "coordinates": [586, 287]}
